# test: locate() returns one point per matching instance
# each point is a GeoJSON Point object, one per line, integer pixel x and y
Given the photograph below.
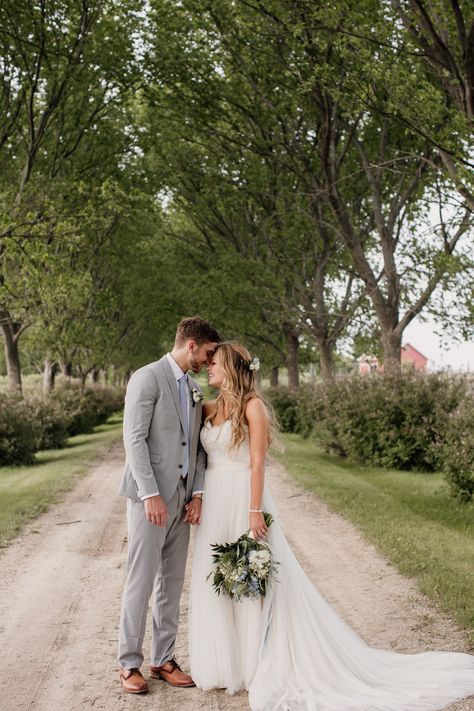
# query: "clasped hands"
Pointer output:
{"type": "Point", "coordinates": [193, 511]}
{"type": "Point", "coordinates": [157, 512]}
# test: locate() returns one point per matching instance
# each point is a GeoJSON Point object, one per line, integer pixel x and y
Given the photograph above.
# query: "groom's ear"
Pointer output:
{"type": "Point", "coordinates": [192, 346]}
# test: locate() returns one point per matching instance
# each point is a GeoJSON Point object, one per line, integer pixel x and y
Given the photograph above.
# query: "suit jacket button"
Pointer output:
{"type": "Point", "coordinates": [180, 466]}
{"type": "Point", "coordinates": [184, 444]}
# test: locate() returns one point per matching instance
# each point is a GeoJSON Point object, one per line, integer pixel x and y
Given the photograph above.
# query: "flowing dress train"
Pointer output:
{"type": "Point", "coordinates": [291, 650]}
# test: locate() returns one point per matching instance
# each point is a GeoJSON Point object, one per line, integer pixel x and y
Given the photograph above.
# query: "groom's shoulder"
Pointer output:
{"type": "Point", "coordinates": [150, 371]}
{"type": "Point", "coordinates": [156, 366]}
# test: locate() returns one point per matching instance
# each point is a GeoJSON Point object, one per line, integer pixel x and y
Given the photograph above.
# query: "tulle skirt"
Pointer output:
{"type": "Point", "coordinates": [291, 650]}
{"type": "Point", "coordinates": [223, 635]}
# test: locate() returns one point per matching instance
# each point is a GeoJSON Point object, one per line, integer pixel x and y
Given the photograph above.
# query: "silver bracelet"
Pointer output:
{"type": "Point", "coordinates": [255, 510]}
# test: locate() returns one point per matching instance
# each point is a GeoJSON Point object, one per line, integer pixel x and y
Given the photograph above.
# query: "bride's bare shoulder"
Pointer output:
{"type": "Point", "coordinates": [255, 409]}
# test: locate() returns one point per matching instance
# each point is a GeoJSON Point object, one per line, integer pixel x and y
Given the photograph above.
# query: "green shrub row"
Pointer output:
{"type": "Point", "coordinates": [31, 424]}
{"type": "Point", "coordinates": [411, 421]}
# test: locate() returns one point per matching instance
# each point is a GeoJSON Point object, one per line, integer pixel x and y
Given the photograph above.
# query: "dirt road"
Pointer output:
{"type": "Point", "coordinates": [61, 583]}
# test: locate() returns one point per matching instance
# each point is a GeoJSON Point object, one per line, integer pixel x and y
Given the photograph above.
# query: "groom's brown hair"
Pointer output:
{"type": "Point", "coordinates": [198, 329]}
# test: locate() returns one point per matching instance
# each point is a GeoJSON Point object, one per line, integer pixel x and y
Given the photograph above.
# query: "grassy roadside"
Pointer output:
{"type": "Point", "coordinates": [26, 492]}
{"type": "Point", "coordinates": [409, 517]}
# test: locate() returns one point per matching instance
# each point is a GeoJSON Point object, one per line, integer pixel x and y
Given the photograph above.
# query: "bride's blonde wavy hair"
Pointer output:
{"type": "Point", "coordinates": [237, 389]}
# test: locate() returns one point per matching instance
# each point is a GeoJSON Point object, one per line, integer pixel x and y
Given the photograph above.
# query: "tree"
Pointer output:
{"type": "Point", "coordinates": [378, 178]}
{"type": "Point", "coordinates": [65, 72]}
{"type": "Point", "coordinates": [237, 157]}
{"type": "Point", "coordinates": [440, 39]}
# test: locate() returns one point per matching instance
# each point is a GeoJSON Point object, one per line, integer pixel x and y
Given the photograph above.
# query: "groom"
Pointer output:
{"type": "Point", "coordinates": [163, 483]}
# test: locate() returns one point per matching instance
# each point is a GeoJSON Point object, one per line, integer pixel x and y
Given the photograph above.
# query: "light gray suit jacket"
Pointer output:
{"type": "Point", "coordinates": [153, 434]}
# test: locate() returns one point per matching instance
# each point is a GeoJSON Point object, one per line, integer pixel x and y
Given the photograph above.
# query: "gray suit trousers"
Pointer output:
{"type": "Point", "coordinates": [156, 567]}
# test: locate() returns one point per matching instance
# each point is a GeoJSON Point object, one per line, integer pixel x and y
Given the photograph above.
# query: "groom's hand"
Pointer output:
{"type": "Point", "coordinates": [193, 511]}
{"type": "Point", "coordinates": [156, 511]}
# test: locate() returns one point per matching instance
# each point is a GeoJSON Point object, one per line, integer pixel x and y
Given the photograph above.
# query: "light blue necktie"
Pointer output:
{"type": "Point", "coordinates": [183, 399]}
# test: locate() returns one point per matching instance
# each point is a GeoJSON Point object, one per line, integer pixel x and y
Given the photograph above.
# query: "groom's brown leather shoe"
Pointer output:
{"type": "Point", "coordinates": [172, 673]}
{"type": "Point", "coordinates": [133, 681]}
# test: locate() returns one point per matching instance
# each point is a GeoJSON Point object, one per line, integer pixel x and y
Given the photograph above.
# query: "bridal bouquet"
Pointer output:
{"type": "Point", "coordinates": [243, 568]}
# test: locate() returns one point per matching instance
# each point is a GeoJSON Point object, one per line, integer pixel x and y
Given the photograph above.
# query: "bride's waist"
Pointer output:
{"type": "Point", "coordinates": [227, 464]}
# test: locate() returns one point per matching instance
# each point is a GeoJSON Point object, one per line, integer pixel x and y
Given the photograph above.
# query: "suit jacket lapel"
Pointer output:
{"type": "Point", "coordinates": [170, 379]}
{"type": "Point", "coordinates": [193, 408]}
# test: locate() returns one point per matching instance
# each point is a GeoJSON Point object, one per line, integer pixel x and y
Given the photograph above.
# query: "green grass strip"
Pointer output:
{"type": "Point", "coordinates": [25, 492]}
{"type": "Point", "coordinates": [410, 517]}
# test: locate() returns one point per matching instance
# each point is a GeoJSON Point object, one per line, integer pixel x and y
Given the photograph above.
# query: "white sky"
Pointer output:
{"type": "Point", "coordinates": [447, 356]}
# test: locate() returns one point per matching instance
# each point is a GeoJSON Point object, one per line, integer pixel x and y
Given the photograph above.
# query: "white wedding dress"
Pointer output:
{"type": "Point", "coordinates": [290, 649]}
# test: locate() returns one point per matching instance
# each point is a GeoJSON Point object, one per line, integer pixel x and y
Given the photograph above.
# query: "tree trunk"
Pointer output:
{"type": "Point", "coordinates": [95, 375]}
{"type": "Point", "coordinates": [11, 332]}
{"type": "Point", "coordinates": [274, 377]}
{"type": "Point", "coordinates": [293, 344]}
{"type": "Point", "coordinates": [392, 345]}
{"type": "Point", "coordinates": [49, 375]}
{"type": "Point", "coordinates": [326, 360]}
{"type": "Point", "coordinates": [66, 369]}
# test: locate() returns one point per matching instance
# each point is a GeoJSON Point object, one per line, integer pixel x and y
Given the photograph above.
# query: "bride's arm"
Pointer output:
{"type": "Point", "coordinates": [257, 419]}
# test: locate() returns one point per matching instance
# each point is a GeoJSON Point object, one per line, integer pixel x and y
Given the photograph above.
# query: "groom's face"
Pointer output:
{"type": "Point", "coordinates": [199, 355]}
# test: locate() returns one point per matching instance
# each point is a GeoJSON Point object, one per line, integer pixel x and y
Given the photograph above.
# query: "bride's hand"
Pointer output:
{"type": "Point", "coordinates": [193, 511]}
{"type": "Point", "coordinates": [257, 525]}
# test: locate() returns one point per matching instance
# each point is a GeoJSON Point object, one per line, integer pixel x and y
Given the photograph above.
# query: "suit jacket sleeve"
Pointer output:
{"type": "Point", "coordinates": [140, 400]}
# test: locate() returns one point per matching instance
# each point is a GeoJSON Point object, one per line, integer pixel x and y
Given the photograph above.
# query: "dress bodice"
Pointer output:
{"type": "Point", "coordinates": [216, 440]}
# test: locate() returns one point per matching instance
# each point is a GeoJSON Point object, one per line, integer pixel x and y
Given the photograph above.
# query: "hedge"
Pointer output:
{"type": "Point", "coordinates": [19, 431]}
{"type": "Point", "coordinates": [410, 421]}
{"type": "Point", "coordinates": [34, 423]}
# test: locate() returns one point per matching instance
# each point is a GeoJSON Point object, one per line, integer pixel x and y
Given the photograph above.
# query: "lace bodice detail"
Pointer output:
{"type": "Point", "coordinates": [216, 441]}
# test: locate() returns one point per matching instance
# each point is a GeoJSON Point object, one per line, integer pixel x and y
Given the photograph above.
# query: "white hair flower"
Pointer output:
{"type": "Point", "coordinates": [254, 364]}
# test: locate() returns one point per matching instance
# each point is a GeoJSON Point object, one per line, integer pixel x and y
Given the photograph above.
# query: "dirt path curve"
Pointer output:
{"type": "Point", "coordinates": [61, 583]}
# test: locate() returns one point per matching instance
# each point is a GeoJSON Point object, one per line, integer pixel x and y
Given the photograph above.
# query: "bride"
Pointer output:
{"type": "Point", "coordinates": [290, 649]}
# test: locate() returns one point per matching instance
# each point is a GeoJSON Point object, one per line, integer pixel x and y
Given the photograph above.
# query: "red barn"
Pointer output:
{"type": "Point", "coordinates": [413, 358]}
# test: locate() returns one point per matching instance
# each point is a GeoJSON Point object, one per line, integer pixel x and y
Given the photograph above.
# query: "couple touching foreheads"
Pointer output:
{"type": "Point", "coordinates": [190, 462]}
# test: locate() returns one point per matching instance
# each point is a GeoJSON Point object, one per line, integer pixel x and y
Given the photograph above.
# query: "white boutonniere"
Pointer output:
{"type": "Point", "coordinates": [197, 396]}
